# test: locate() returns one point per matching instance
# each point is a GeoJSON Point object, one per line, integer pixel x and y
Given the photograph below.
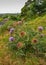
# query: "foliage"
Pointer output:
{"type": "Point", "coordinates": [22, 42]}
{"type": "Point", "coordinates": [32, 8]}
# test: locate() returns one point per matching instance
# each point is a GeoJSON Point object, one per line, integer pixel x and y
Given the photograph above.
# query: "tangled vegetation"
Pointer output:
{"type": "Point", "coordinates": [23, 41]}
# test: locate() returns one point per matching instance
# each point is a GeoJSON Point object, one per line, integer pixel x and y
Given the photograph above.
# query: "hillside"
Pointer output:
{"type": "Point", "coordinates": [33, 40]}
{"type": "Point", "coordinates": [23, 36]}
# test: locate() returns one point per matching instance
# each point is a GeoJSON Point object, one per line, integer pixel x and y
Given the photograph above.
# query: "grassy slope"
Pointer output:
{"type": "Point", "coordinates": [39, 21]}
{"type": "Point", "coordinates": [6, 56]}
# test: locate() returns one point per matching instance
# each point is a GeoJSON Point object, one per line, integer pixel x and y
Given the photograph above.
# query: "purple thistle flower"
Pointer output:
{"type": "Point", "coordinates": [40, 28]}
{"type": "Point", "coordinates": [11, 39]}
{"type": "Point", "coordinates": [11, 30]}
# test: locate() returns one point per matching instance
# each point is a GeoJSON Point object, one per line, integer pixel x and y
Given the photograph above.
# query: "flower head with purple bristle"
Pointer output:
{"type": "Point", "coordinates": [11, 30]}
{"type": "Point", "coordinates": [11, 39]}
{"type": "Point", "coordinates": [40, 28]}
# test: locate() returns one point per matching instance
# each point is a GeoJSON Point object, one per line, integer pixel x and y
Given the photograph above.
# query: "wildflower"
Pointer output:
{"type": "Point", "coordinates": [34, 40]}
{"type": "Point", "coordinates": [40, 28]}
{"type": "Point", "coordinates": [11, 39]}
{"type": "Point", "coordinates": [19, 22]}
{"type": "Point", "coordinates": [22, 33]}
{"type": "Point", "coordinates": [15, 24]}
{"type": "Point", "coordinates": [20, 45]}
{"type": "Point", "coordinates": [11, 30]}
